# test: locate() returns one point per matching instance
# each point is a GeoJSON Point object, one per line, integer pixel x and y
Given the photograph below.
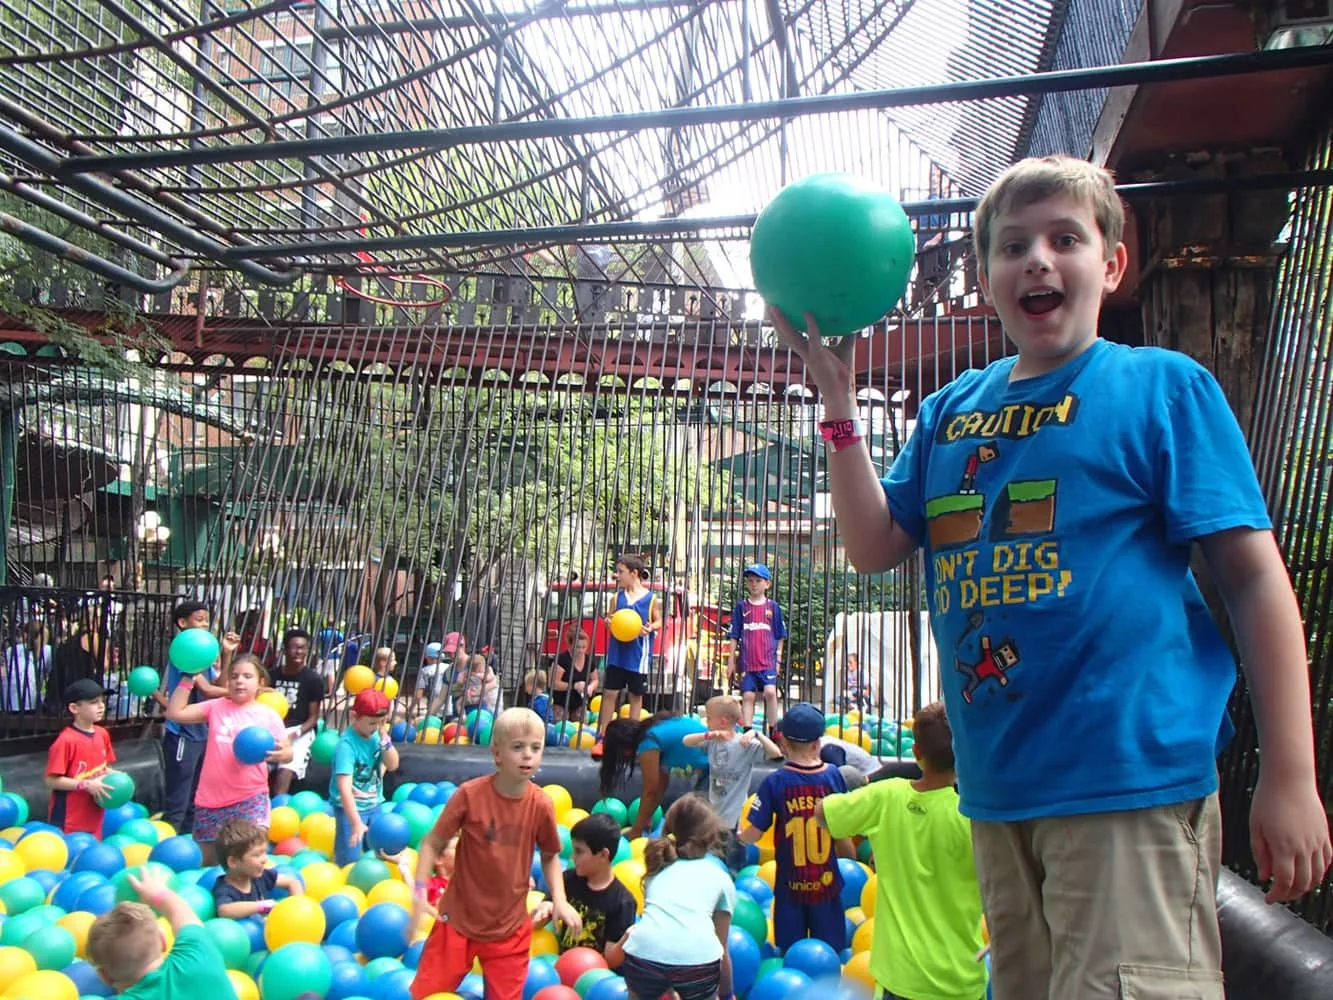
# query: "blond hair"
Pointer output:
{"type": "Point", "coordinates": [724, 706]}
{"type": "Point", "coordinates": [123, 943]}
{"type": "Point", "coordinates": [1039, 178]}
{"type": "Point", "coordinates": [514, 722]}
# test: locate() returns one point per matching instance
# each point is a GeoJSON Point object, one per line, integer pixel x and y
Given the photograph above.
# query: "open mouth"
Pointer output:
{"type": "Point", "coordinates": [1041, 303]}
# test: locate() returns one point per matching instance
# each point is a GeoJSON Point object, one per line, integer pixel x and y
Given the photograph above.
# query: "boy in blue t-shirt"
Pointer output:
{"type": "Point", "coordinates": [1057, 496]}
{"type": "Point", "coordinates": [363, 754]}
{"type": "Point", "coordinates": [808, 888]}
{"type": "Point", "coordinates": [757, 635]}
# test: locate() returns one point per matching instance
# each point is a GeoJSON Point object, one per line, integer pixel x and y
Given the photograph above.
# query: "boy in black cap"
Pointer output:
{"type": "Point", "coordinates": [808, 886]}
{"type": "Point", "coordinates": [77, 761]}
{"type": "Point", "coordinates": [757, 635]}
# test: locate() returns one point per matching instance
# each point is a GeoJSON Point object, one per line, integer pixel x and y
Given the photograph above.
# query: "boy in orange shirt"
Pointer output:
{"type": "Point", "coordinates": [483, 913]}
{"type": "Point", "coordinates": [78, 760]}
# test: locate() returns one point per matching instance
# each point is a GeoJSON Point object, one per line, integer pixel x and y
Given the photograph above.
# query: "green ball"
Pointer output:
{"type": "Point", "coordinates": [377, 967]}
{"type": "Point", "coordinates": [18, 929]}
{"type": "Point", "coordinates": [193, 650]}
{"type": "Point", "coordinates": [432, 722]}
{"type": "Point", "coordinates": [294, 970]}
{"type": "Point", "coordinates": [634, 813]}
{"type": "Point", "coordinates": [321, 750]}
{"type": "Point", "coordinates": [748, 870]}
{"type": "Point", "coordinates": [835, 246]}
{"type": "Point", "coordinates": [614, 808]}
{"type": "Point", "coordinates": [50, 947]}
{"type": "Point", "coordinates": [750, 918]}
{"type": "Point", "coordinates": [863, 852]}
{"type": "Point", "coordinates": [306, 802]}
{"type": "Point", "coordinates": [768, 966]}
{"type": "Point", "coordinates": [143, 681]}
{"type": "Point", "coordinates": [589, 979]}
{"type": "Point", "coordinates": [122, 789]}
{"type": "Point", "coordinates": [119, 841]}
{"type": "Point", "coordinates": [623, 852]}
{"type": "Point", "coordinates": [121, 880]}
{"type": "Point", "coordinates": [566, 842]}
{"type": "Point", "coordinates": [200, 900]}
{"type": "Point", "coordinates": [231, 940]}
{"type": "Point", "coordinates": [21, 894]}
{"type": "Point", "coordinates": [419, 820]}
{"type": "Point", "coordinates": [253, 962]}
{"type": "Point", "coordinates": [404, 791]}
{"type": "Point", "coordinates": [141, 831]}
{"type": "Point", "coordinates": [367, 873]}
{"type": "Point", "coordinates": [301, 859]}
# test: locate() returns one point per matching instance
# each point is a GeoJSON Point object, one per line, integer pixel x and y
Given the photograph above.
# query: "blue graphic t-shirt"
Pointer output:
{"type": "Point", "coordinates": [807, 867]}
{"type": "Point", "coordinates": [635, 655]}
{"type": "Point", "coordinates": [362, 758]}
{"type": "Point", "coordinates": [758, 628]}
{"type": "Point", "coordinates": [1057, 515]}
{"type": "Point", "coordinates": [676, 757]}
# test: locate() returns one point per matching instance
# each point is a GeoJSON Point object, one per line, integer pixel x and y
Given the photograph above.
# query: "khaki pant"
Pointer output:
{"type": "Point", "coordinates": [1109, 906]}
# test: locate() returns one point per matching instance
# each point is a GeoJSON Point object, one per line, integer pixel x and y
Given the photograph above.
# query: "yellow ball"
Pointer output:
{"type": "Point", "coordinates": [431, 735]}
{"type": "Point", "coordinates": [857, 969]}
{"type": "Point", "coordinates": [283, 822]}
{"type": "Point", "coordinates": [323, 878]}
{"type": "Point", "coordinates": [243, 985]}
{"type": "Point", "coordinates": [637, 846]}
{"type": "Point", "coordinates": [319, 830]}
{"type": "Point", "coordinates": [391, 891]}
{"type": "Point", "coordinates": [584, 739]}
{"type": "Point", "coordinates": [296, 918]}
{"type": "Point", "coordinates": [544, 942]}
{"type": "Point", "coordinates": [355, 895]}
{"type": "Point", "coordinates": [626, 625]}
{"type": "Point", "coordinates": [535, 899]}
{"type": "Point", "coordinates": [136, 854]}
{"type": "Point", "coordinates": [164, 829]}
{"type": "Point", "coordinates": [560, 798]}
{"type": "Point", "coordinates": [389, 686]}
{"type": "Point", "coordinates": [868, 892]}
{"type": "Point", "coordinates": [78, 925]}
{"type": "Point", "coordinates": [276, 701]}
{"type": "Point", "coordinates": [631, 872]}
{"type": "Point", "coordinates": [768, 872]}
{"type": "Point", "coordinates": [11, 866]}
{"type": "Point", "coordinates": [863, 935]}
{"type": "Point", "coordinates": [595, 704]}
{"type": "Point", "coordinates": [42, 851]}
{"type": "Point", "coordinates": [12, 833]}
{"type": "Point", "coordinates": [856, 915]}
{"type": "Point", "coordinates": [168, 934]}
{"type": "Point", "coordinates": [357, 679]}
{"type": "Point", "coordinates": [43, 985]}
{"type": "Point", "coordinates": [15, 963]}
{"type": "Point", "coordinates": [853, 715]}
{"type": "Point", "coordinates": [444, 996]}
{"type": "Point", "coordinates": [571, 816]}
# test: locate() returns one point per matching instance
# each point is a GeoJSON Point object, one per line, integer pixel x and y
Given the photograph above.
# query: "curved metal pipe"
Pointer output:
{"type": "Point", "coordinates": [43, 160]}
{"type": "Point", "coordinates": [71, 214]}
{"type": "Point", "coordinates": [43, 240]}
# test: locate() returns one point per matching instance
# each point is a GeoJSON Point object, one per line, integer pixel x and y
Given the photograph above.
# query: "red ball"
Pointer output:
{"type": "Point", "coordinates": [450, 733]}
{"type": "Point", "coordinates": [557, 992]}
{"type": "Point", "coordinates": [576, 962]}
{"type": "Point", "coordinates": [289, 847]}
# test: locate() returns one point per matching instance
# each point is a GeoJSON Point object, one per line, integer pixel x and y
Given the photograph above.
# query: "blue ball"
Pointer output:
{"type": "Point", "coordinates": [9, 812]}
{"type": "Point", "coordinates": [412, 957]}
{"type": "Point", "coordinates": [752, 854]}
{"type": "Point", "coordinates": [281, 800]}
{"type": "Point", "coordinates": [426, 794]}
{"type": "Point", "coordinates": [553, 738]}
{"type": "Point", "coordinates": [540, 976]}
{"type": "Point", "coordinates": [103, 859]}
{"type": "Point", "coordinates": [336, 953]}
{"type": "Point", "coordinates": [854, 879]}
{"type": "Point", "coordinates": [471, 986]}
{"type": "Point", "coordinates": [780, 984]}
{"type": "Point", "coordinates": [37, 826]}
{"type": "Point", "coordinates": [344, 935]}
{"type": "Point", "coordinates": [389, 833]}
{"type": "Point", "coordinates": [252, 744]}
{"type": "Point", "coordinates": [744, 952]}
{"type": "Point", "coordinates": [398, 732]}
{"type": "Point", "coordinates": [446, 789]}
{"type": "Point", "coordinates": [395, 985]}
{"type": "Point", "coordinates": [47, 880]}
{"type": "Point", "coordinates": [756, 888]}
{"type": "Point", "coordinates": [383, 930]}
{"type": "Point", "coordinates": [77, 843]}
{"type": "Point", "coordinates": [349, 980]}
{"type": "Point", "coordinates": [97, 899]}
{"type": "Point", "coordinates": [814, 957]}
{"type": "Point", "coordinates": [68, 892]}
{"type": "Point", "coordinates": [86, 980]}
{"type": "Point", "coordinates": [209, 877]}
{"type": "Point", "coordinates": [338, 909]}
{"type": "Point", "coordinates": [254, 927]}
{"type": "Point", "coordinates": [180, 853]}
{"type": "Point", "coordinates": [114, 819]}
{"type": "Point", "coordinates": [610, 988]}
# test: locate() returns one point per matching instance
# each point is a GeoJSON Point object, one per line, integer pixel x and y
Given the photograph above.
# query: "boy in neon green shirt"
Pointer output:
{"type": "Point", "coordinates": [927, 929]}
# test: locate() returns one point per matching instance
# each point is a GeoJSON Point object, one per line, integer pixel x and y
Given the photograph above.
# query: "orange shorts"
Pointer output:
{"type": "Point", "coordinates": [448, 957]}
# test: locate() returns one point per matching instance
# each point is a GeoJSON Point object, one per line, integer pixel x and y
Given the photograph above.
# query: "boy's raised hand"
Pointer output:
{"type": "Point", "coordinates": [1289, 836]}
{"type": "Point", "coordinates": [150, 886]}
{"type": "Point", "coordinates": [828, 367]}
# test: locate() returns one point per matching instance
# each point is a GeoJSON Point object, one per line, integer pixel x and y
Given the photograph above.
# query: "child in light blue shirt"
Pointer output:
{"type": "Point", "coordinates": [356, 788]}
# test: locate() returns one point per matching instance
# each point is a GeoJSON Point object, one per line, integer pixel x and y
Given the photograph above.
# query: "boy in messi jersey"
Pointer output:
{"type": "Point", "coordinates": [808, 886]}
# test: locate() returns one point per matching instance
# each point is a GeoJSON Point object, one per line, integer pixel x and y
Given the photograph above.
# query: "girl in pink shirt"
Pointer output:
{"type": "Point", "coordinates": [228, 788]}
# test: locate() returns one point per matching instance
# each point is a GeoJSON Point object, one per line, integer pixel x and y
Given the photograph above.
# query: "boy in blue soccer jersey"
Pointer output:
{"type": "Point", "coordinates": [1057, 495]}
{"type": "Point", "coordinates": [757, 634]}
{"type": "Point", "coordinates": [808, 885]}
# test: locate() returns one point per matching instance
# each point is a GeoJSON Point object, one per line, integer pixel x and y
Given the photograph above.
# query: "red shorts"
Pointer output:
{"type": "Point", "coordinates": [448, 957]}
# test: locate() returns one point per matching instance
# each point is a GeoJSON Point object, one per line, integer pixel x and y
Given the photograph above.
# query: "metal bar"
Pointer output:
{"type": "Point", "coordinates": [673, 227]}
{"type": "Point", "coordinates": [1133, 74]}
{"type": "Point", "coordinates": [43, 240]}
{"type": "Point", "coordinates": [71, 214]}
{"type": "Point", "coordinates": [43, 160]}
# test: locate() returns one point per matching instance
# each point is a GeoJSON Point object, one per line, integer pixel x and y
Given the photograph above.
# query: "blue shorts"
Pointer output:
{"type": "Point", "coordinates": [757, 680]}
{"type": "Point", "coordinates": [793, 921]}
{"type": "Point", "coordinates": [344, 853]}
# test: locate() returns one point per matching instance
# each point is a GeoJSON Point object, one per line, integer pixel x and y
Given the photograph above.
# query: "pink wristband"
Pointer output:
{"type": "Point", "coordinates": [841, 434]}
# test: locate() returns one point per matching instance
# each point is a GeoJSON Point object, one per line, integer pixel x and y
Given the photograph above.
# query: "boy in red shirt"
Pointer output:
{"type": "Point", "coordinates": [501, 818]}
{"type": "Point", "coordinates": [77, 761]}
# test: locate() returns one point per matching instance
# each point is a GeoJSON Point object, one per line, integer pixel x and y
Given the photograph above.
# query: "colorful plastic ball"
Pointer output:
{"type": "Point", "coordinates": [393, 985]}
{"type": "Point", "coordinates": [20, 805]}
{"type": "Point", "coordinates": [779, 984]}
{"type": "Point", "coordinates": [230, 939]}
{"type": "Point", "coordinates": [244, 987]}
{"type": "Point", "coordinates": [306, 802]}
{"type": "Point", "coordinates": [557, 992]}
{"type": "Point", "coordinates": [97, 899]}
{"type": "Point", "coordinates": [383, 931]}
{"type": "Point", "coordinates": [367, 873]}
{"type": "Point", "coordinates": [253, 744]}
{"type": "Point", "coordinates": [540, 976]}
{"type": "Point", "coordinates": [323, 746]}
{"type": "Point", "coordinates": [86, 980]}
{"type": "Point", "coordinates": [748, 916]}
{"type": "Point", "coordinates": [854, 879]}
{"type": "Point", "coordinates": [293, 970]}
{"type": "Point", "coordinates": [276, 701]}
{"type": "Point", "coordinates": [347, 980]}
{"type": "Point", "coordinates": [140, 831]}
{"type": "Point", "coordinates": [390, 832]}
{"type": "Point", "coordinates": [43, 851]}
{"type": "Point", "coordinates": [338, 907]}
{"type": "Point", "coordinates": [814, 957]}
{"type": "Point", "coordinates": [576, 961]}
{"type": "Point", "coordinates": [193, 650]}
{"type": "Point", "coordinates": [143, 681]}
{"type": "Point", "coordinates": [14, 964]}
{"type": "Point", "coordinates": [121, 880]}
{"type": "Point", "coordinates": [51, 947]}
{"type": "Point", "coordinates": [857, 969]}
{"type": "Point", "coordinates": [283, 823]}
{"type": "Point", "coordinates": [21, 894]}
{"type": "Point", "coordinates": [544, 942]}
{"type": "Point", "coordinates": [378, 967]}
{"type": "Point", "coordinates": [292, 920]}
{"type": "Point", "coordinates": [614, 808]}
{"type": "Point", "coordinates": [744, 952]}
{"type": "Point", "coordinates": [44, 984]}
{"type": "Point", "coordinates": [357, 678]}
{"type": "Point", "coordinates": [121, 787]}
{"type": "Point", "coordinates": [100, 858]}
{"type": "Point", "coordinates": [756, 888]}
{"type": "Point", "coordinates": [590, 979]}
{"type": "Point", "coordinates": [610, 988]}
{"type": "Point", "coordinates": [626, 625]}
{"type": "Point", "coordinates": [426, 794]}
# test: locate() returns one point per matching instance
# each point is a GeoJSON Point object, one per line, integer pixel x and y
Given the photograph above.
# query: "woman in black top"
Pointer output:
{"type": "Point", "coordinates": [574, 679]}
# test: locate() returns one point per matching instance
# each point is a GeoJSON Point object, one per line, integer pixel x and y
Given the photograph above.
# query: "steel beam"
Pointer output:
{"type": "Point", "coordinates": [43, 240]}
{"type": "Point", "coordinates": [1095, 77]}
{"type": "Point", "coordinates": [608, 231]}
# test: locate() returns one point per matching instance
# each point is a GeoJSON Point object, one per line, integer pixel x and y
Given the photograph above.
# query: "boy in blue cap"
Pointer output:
{"type": "Point", "coordinates": [757, 634]}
